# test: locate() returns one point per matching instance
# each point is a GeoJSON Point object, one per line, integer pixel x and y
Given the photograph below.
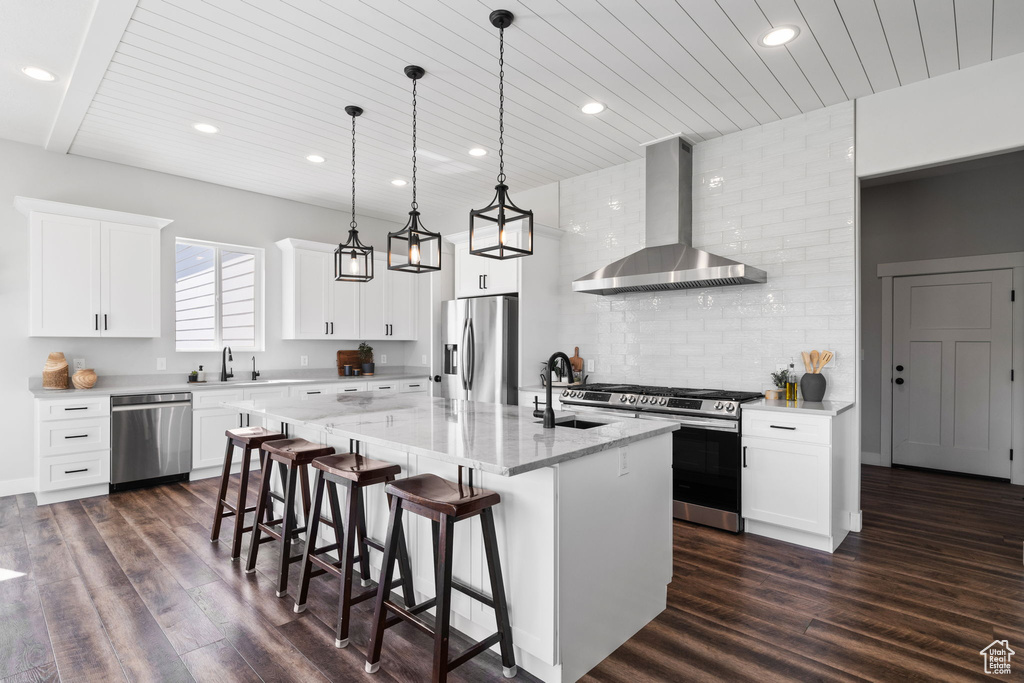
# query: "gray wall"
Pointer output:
{"type": "Point", "coordinates": [200, 210]}
{"type": "Point", "coordinates": [964, 209]}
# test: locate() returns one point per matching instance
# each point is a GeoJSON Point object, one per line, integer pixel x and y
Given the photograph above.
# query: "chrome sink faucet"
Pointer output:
{"type": "Point", "coordinates": [254, 373]}
{"type": "Point", "coordinates": [225, 356]}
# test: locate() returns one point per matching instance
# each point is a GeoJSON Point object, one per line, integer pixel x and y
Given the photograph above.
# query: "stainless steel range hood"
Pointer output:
{"type": "Point", "coordinates": [669, 261]}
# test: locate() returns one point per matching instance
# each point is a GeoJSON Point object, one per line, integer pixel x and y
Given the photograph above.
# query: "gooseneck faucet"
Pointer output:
{"type": "Point", "coordinates": [225, 356]}
{"type": "Point", "coordinates": [255, 374]}
{"type": "Point", "coordinates": [549, 412]}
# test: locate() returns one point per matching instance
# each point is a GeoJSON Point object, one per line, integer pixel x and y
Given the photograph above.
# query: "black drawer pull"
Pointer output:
{"type": "Point", "coordinates": [744, 456]}
{"type": "Point", "coordinates": [84, 469]}
{"type": "Point", "coordinates": [351, 390]}
{"type": "Point", "coordinates": [78, 408]}
{"type": "Point", "coordinates": [414, 386]}
{"type": "Point", "coordinates": [312, 392]}
{"type": "Point", "coordinates": [76, 436]}
{"type": "Point", "coordinates": [792, 429]}
{"type": "Point", "coordinates": [383, 387]}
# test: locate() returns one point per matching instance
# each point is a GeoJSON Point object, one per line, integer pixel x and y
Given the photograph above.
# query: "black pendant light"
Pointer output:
{"type": "Point", "coordinates": [414, 249]}
{"type": "Point", "coordinates": [353, 260]}
{"type": "Point", "coordinates": [489, 227]}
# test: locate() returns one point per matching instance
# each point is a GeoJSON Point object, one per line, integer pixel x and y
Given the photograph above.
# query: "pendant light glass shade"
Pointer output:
{"type": "Point", "coordinates": [501, 230]}
{"type": "Point", "coordinates": [353, 260]}
{"type": "Point", "coordinates": [414, 249]}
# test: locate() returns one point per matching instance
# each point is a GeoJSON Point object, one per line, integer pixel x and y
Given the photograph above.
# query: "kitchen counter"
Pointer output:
{"type": "Point", "coordinates": [824, 408]}
{"type": "Point", "coordinates": [499, 439]}
{"type": "Point", "coordinates": [165, 382]}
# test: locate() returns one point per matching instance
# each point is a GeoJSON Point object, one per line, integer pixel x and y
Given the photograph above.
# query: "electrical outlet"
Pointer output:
{"type": "Point", "coordinates": [590, 365]}
{"type": "Point", "coordinates": [79, 364]}
{"type": "Point", "coordinates": [303, 361]}
{"type": "Point", "coordinates": [423, 359]}
{"type": "Point", "coordinates": [623, 461]}
{"type": "Point", "coordinates": [161, 363]}
{"type": "Point", "coordinates": [383, 358]}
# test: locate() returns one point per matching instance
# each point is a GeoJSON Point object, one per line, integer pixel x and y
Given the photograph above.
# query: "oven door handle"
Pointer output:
{"type": "Point", "coordinates": [714, 425]}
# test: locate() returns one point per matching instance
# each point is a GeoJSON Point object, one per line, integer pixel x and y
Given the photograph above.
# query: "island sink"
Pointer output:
{"type": "Point", "coordinates": [578, 424]}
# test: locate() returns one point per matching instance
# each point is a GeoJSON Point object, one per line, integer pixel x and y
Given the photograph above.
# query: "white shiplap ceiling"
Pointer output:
{"type": "Point", "coordinates": [275, 76]}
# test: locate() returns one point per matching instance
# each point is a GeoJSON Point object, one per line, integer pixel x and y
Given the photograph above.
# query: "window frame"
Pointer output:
{"type": "Point", "coordinates": [259, 299]}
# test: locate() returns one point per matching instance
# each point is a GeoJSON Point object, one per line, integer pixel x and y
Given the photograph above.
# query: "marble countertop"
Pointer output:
{"type": "Point", "coordinates": [500, 439]}
{"type": "Point", "coordinates": [824, 408]}
{"type": "Point", "coordinates": [165, 382]}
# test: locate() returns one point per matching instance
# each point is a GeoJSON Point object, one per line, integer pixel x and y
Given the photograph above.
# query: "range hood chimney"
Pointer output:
{"type": "Point", "coordinates": [668, 261]}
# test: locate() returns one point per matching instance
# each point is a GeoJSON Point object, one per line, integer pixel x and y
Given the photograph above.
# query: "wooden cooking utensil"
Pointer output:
{"type": "Point", "coordinates": [576, 361]}
{"type": "Point", "coordinates": [807, 361]}
{"type": "Point", "coordinates": [826, 356]}
{"type": "Point", "coordinates": [815, 356]}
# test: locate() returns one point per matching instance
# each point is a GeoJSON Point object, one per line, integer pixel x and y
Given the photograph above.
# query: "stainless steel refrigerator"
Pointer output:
{"type": "Point", "coordinates": [481, 349]}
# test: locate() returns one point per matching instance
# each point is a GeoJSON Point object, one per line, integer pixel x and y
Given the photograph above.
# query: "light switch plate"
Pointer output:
{"type": "Point", "coordinates": [79, 364]}
{"type": "Point", "coordinates": [423, 359]}
{"type": "Point", "coordinates": [383, 358]}
{"type": "Point", "coordinates": [303, 361]}
{"type": "Point", "coordinates": [590, 365]}
{"type": "Point", "coordinates": [623, 461]}
{"type": "Point", "coordinates": [161, 363]}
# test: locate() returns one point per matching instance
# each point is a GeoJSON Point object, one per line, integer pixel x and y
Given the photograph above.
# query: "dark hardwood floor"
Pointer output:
{"type": "Point", "coordinates": [936, 575]}
{"type": "Point", "coordinates": [129, 586]}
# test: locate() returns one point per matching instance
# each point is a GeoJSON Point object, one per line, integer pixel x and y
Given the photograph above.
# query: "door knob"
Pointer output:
{"type": "Point", "coordinates": [899, 368]}
{"type": "Point", "coordinates": [899, 380]}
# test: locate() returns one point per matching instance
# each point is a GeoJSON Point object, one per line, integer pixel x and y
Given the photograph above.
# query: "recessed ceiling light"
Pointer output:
{"type": "Point", "coordinates": [205, 128]}
{"type": "Point", "coordinates": [478, 152]}
{"type": "Point", "coordinates": [315, 158]}
{"type": "Point", "coordinates": [592, 108]}
{"type": "Point", "coordinates": [780, 35]}
{"type": "Point", "coordinates": [398, 182]}
{"type": "Point", "coordinates": [37, 73]}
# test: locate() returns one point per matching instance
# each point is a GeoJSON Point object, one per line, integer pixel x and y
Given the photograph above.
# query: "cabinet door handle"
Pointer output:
{"type": "Point", "coordinates": [792, 429]}
{"type": "Point", "coordinates": [76, 436]}
{"type": "Point", "coordinates": [104, 321]}
{"type": "Point", "coordinates": [326, 327]}
{"type": "Point", "coordinates": [332, 328]}
{"type": "Point", "coordinates": [96, 322]}
{"type": "Point", "coordinates": [239, 419]}
{"type": "Point", "coordinates": [744, 456]}
{"type": "Point", "coordinates": [78, 408]}
{"type": "Point", "coordinates": [84, 469]}
{"type": "Point", "coordinates": [485, 282]}
{"type": "Point", "coordinates": [479, 281]}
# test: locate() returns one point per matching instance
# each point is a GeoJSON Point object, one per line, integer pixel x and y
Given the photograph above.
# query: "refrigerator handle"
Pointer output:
{"type": "Point", "coordinates": [470, 356]}
{"type": "Point", "coordinates": [465, 354]}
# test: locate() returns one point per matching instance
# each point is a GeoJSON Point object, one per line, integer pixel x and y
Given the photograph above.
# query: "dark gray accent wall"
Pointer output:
{"type": "Point", "coordinates": [965, 209]}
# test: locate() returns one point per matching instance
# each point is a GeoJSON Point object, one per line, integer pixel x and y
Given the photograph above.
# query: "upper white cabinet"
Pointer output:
{"type": "Point", "coordinates": [93, 272]}
{"type": "Point", "coordinates": [317, 307]}
{"type": "Point", "coordinates": [482, 276]}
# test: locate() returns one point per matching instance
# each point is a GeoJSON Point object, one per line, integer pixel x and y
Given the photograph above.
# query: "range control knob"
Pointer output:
{"type": "Point", "coordinates": [565, 392]}
{"type": "Point", "coordinates": [643, 400]}
{"type": "Point", "coordinates": [622, 399]}
{"type": "Point", "coordinates": [663, 401]}
{"type": "Point", "coordinates": [730, 407]}
{"type": "Point", "coordinates": [632, 399]}
{"type": "Point", "coordinates": [718, 405]}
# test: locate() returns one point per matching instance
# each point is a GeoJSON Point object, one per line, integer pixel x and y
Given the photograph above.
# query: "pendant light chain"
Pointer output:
{"type": "Point", "coordinates": [353, 223]}
{"type": "Point", "coordinates": [415, 206]}
{"type": "Point", "coordinates": [501, 106]}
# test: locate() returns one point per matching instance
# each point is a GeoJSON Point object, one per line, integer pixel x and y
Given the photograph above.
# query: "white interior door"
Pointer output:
{"type": "Point", "coordinates": [130, 281]}
{"type": "Point", "coordinates": [65, 277]}
{"type": "Point", "coordinates": [952, 356]}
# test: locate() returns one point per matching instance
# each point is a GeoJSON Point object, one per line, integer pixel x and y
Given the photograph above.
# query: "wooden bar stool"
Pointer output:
{"type": "Point", "coordinates": [444, 503]}
{"type": "Point", "coordinates": [292, 456]}
{"type": "Point", "coordinates": [248, 439]}
{"type": "Point", "coordinates": [356, 473]}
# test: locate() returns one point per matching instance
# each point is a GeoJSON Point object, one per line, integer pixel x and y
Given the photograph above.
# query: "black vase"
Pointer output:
{"type": "Point", "coordinates": [812, 387]}
{"type": "Point", "coordinates": [367, 368]}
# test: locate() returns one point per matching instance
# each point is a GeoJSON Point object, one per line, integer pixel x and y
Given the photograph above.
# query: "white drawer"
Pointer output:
{"type": "Point", "coordinates": [384, 386]}
{"type": "Point", "coordinates": [351, 387]}
{"type": "Point", "coordinates": [70, 471]}
{"type": "Point", "coordinates": [265, 393]}
{"type": "Point", "coordinates": [777, 425]}
{"type": "Point", "coordinates": [214, 397]}
{"type": "Point", "coordinates": [304, 391]}
{"type": "Point", "coordinates": [98, 406]}
{"type": "Point", "coordinates": [412, 385]}
{"type": "Point", "coordinates": [74, 436]}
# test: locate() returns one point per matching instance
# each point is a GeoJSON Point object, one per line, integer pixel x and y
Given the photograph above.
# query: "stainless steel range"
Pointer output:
{"type": "Point", "coordinates": [706, 451]}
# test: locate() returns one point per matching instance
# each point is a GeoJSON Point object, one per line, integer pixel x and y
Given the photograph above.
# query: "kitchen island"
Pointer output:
{"type": "Point", "coordinates": [584, 525]}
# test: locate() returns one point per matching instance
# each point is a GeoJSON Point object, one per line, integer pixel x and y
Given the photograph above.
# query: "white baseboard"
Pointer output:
{"type": "Point", "coordinates": [868, 458]}
{"type": "Point", "coordinates": [13, 487]}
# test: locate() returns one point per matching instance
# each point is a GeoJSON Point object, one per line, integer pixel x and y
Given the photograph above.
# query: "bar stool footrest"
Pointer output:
{"type": "Point", "coordinates": [474, 650]}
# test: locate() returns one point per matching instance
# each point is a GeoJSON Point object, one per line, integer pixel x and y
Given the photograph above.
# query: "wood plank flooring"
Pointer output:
{"type": "Point", "coordinates": [936, 575]}
{"type": "Point", "coordinates": [128, 586]}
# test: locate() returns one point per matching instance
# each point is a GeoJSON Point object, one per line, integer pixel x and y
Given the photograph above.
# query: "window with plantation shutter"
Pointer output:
{"type": "Point", "coordinates": [218, 296]}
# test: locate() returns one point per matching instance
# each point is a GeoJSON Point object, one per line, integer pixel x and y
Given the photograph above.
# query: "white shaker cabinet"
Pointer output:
{"type": "Point", "coordinates": [482, 276]}
{"type": "Point", "coordinates": [796, 474]}
{"type": "Point", "coordinates": [93, 272]}
{"type": "Point", "coordinates": [317, 307]}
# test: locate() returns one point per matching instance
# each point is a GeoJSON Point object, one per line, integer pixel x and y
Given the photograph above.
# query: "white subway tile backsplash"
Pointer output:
{"type": "Point", "coordinates": [780, 197]}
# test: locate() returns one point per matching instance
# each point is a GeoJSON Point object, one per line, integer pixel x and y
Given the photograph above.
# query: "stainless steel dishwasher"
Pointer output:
{"type": "Point", "coordinates": [151, 439]}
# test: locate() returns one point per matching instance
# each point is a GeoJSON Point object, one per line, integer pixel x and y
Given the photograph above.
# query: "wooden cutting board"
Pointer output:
{"type": "Point", "coordinates": [576, 361]}
{"type": "Point", "coordinates": [347, 358]}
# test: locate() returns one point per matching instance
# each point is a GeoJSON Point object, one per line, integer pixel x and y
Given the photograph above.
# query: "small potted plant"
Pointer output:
{"type": "Point", "coordinates": [779, 379]}
{"type": "Point", "coordinates": [366, 358]}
